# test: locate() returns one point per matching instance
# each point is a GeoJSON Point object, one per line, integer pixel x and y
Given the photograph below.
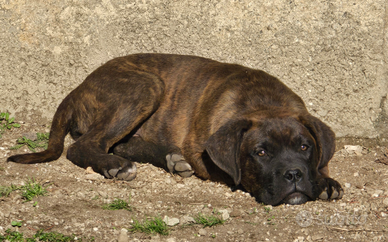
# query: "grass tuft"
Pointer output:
{"type": "Point", "coordinates": [32, 189]}
{"type": "Point", "coordinates": [7, 123]}
{"type": "Point", "coordinates": [40, 142]}
{"type": "Point", "coordinates": [14, 236]}
{"type": "Point", "coordinates": [117, 204]}
{"type": "Point", "coordinates": [5, 191]}
{"type": "Point", "coordinates": [150, 226]}
{"type": "Point", "coordinates": [208, 221]}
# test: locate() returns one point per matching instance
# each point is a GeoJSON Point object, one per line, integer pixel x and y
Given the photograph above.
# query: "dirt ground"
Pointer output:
{"type": "Point", "coordinates": [74, 202]}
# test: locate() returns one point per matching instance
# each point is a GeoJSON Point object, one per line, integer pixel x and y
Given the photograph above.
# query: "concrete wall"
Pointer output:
{"type": "Point", "coordinates": [330, 52]}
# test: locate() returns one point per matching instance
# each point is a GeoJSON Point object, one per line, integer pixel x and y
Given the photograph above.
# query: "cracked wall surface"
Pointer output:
{"type": "Point", "coordinates": [330, 52]}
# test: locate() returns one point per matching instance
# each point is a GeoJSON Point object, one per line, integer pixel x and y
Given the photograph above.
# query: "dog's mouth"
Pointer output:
{"type": "Point", "coordinates": [295, 198]}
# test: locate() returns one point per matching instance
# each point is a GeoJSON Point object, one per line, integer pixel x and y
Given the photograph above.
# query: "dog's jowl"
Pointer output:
{"type": "Point", "coordinates": [193, 115]}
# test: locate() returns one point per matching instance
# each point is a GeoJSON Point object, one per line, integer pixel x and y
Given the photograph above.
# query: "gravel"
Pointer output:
{"type": "Point", "coordinates": [75, 198]}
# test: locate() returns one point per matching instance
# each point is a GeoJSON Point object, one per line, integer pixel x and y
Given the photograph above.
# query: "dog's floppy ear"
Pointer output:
{"type": "Point", "coordinates": [223, 147]}
{"type": "Point", "coordinates": [324, 137]}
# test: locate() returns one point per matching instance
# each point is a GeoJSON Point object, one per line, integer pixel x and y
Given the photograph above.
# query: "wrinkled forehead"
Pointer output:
{"type": "Point", "coordinates": [284, 131]}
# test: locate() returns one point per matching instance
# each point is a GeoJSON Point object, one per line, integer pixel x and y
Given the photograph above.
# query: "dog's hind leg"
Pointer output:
{"type": "Point", "coordinates": [120, 113]}
{"type": "Point", "coordinates": [168, 157]}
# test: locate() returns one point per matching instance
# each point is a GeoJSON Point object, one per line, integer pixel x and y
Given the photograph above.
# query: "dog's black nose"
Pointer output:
{"type": "Point", "coordinates": [293, 175]}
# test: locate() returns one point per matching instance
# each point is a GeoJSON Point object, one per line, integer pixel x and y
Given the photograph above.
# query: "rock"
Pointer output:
{"type": "Point", "coordinates": [317, 237]}
{"type": "Point", "coordinates": [187, 220]}
{"type": "Point", "coordinates": [103, 194]}
{"type": "Point", "coordinates": [385, 201]}
{"type": "Point", "coordinates": [348, 185]}
{"type": "Point", "coordinates": [31, 136]}
{"type": "Point", "coordinates": [353, 149]}
{"type": "Point", "coordinates": [170, 221]}
{"type": "Point", "coordinates": [202, 232]}
{"type": "Point", "coordinates": [94, 177]}
{"type": "Point", "coordinates": [224, 214]}
{"type": "Point", "coordinates": [123, 236]}
{"type": "Point", "coordinates": [299, 239]}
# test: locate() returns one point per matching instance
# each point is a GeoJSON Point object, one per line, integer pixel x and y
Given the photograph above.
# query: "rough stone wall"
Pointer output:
{"type": "Point", "coordinates": [331, 52]}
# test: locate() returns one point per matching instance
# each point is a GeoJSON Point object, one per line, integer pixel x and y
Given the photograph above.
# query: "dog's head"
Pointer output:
{"type": "Point", "coordinates": [276, 159]}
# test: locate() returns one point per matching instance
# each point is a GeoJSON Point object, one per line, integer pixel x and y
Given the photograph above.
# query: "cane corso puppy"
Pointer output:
{"type": "Point", "coordinates": [193, 115]}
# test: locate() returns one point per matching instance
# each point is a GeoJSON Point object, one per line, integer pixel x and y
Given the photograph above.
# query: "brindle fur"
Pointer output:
{"type": "Point", "coordinates": [215, 115]}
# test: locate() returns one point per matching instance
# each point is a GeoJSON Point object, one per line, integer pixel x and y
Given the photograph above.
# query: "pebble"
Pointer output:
{"type": "Point", "coordinates": [385, 201]}
{"type": "Point", "coordinates": [224, 214]}
{"type": "Point", "coordinates": [299, 239]}
{"type": "Point", "coordinates": [377, 193]}
{"type": "Point", "coordinates": [93, 177]}
{"type": "Point", "coordinates": [103, 194]}
{"type": "Point", "coordinates": [202, 232]}
{"type": "Point", "coordinates": [348, 185]}
{"type": "Point", "coordinates": [123, 236]}
{"type": "Point", "coordinates": [187, 220]}
{"type": "Point", "coordinates": [354, 149]}
{"type": "Point", "coordinates": [31, 136]}
{"type": "Point", "coordinates": [171, 221]}
{"type": "Point", "coordinates": [317, 237]}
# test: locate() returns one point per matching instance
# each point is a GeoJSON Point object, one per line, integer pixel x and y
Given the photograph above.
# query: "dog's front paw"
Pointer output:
{"type": "Point", "coordinates": [330, 189]}
{"type": "Point", "coordinates": [127, 172]}
{"type": "Point", "coordinates": [176, 163]}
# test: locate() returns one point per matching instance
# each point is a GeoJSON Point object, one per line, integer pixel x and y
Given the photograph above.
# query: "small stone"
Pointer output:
{"type": "Point", "coordinates": [30, 136]}
{"type": "Point", "coordinates": [377, 193]}
{"type": "Point", "coordinates": [317, 237]}
{"type": "Point", "coordinates": [187, 220]}
{"type": "Point", "coordinates": [354, 149]}
{"type": "Point", "coordinates": [224, 214]}
{"type": "Point", "coordinates": [385, 201]}
{"type": "Point", "coordinates": [103, 194]}
{"type": "Point", "coordinates": [348, 185]}
{"type": "Point", "coordinates": [94, 177]}
{"type": "Point", "coordinates": [89, 170]}
{"type": "Point", "coordinates": [202, 232]}
{"type": "Point", "coordinates": [299, 239]}
{"type": "Point", "coordinates": [170, 221]}
{"type": "Point", "coordinates": [356, 174]}
{"type": "Point", "coordinates": [123, 236]}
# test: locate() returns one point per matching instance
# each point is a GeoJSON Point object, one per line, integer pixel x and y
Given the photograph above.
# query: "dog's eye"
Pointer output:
{"type": "Point", "coordinates": [304, 147]}
{"type": "Point", "coordinates": [261, 153]}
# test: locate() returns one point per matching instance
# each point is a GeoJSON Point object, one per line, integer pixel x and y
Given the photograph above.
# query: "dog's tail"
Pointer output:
{"type": "Point", "coordinates": [59, 129]}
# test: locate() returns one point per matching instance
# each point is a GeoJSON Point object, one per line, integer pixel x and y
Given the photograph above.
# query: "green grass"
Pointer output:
{"type": "Point", "coordinates": [208, 221]}
{"type": "Point", "coordinates": [6, 190]}
{"type": "Point", "coordinates": [40, 142]}
{"type": "Point", "coordinates": [7, 123]}
{"type": "Point", "coordinates": [53, 236]}
{"type": "Point", "coordinates": [14, 236]}
{"type": "Point", "coordinates": [150, 226]}
{"type": "Point", "coordinates": [32, 189]}
{"type": "Point", "coordinates": [117, 204]}
{"type": "Point", "coordinates": [29, 191]}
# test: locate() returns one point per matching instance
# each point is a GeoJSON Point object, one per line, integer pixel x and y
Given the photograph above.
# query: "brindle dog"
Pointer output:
{"type": "Point", "coordinates": [193, 115]}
